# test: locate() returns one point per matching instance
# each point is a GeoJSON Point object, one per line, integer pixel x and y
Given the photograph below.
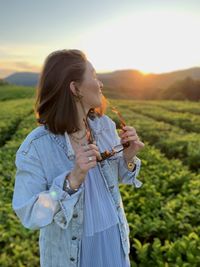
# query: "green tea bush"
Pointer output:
{"type": "Point", "coordinates": [8, 92]}
{"type": "Point", "coordinates": [163, 215]}
{"type": "Point", "coordinates": [189, 122]}
{"type": "Point", "coordinates": [11, 114]}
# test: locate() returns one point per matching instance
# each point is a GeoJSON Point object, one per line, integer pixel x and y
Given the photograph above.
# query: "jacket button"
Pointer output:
{"type": "Point", "coordinates": [74, 237]}
{"type": "Point", "coordinates": [118, 206]}
{"type": "Point", "coordinates": [75, 215]}
{"type": "Point", "coordinates": [112, 186]}
{"type": "Point", "coordinates": [72, 259]}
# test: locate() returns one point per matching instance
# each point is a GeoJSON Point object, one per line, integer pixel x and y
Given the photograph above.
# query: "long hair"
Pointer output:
{"type": "Point", "coordinates": [55, 105]}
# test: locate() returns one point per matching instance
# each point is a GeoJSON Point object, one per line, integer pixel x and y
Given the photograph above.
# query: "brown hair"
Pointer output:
{"type": "Point", "coordinates": [55, 105]}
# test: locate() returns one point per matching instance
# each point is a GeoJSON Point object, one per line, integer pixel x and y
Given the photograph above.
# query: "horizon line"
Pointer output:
{"type": "Point", "coordinates": [145, 73]}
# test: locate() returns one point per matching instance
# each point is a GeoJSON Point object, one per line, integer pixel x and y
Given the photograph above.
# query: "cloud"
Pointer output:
{"type": "Point", "coordinates": [24, 53]}
{"type": "Point", "coordinates": [9, 67]}
{"type": "Point", "coordinates": [21, 57]}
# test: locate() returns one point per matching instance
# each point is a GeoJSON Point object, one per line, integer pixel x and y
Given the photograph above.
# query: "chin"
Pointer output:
{"type": "Point", "coordinates": [97, 104]}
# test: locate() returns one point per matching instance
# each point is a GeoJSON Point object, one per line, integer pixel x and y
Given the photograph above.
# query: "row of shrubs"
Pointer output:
{"type": "Point", "coordinates": [9, 91]}
{"type": "Point", "coordinates": [163, 215]}
{"type": "Point", "coordinates": [173, 141]}
{"type": "Point", "coordinates": [188, 121]}
{"type": "Point", "coordinates": [177, 106]}
{"type": "Point", "coordinates": [11, 114]}
{"type": "Point", "coordinates": [18, 245]}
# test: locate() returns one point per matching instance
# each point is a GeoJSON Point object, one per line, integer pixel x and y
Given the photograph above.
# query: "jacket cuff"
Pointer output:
{"type": "Point", "coordinates": [129, 177]}
{"type": "Point", "coordinates": [66, 201]}
{"type": "Point", "coordinates": [56, 190]}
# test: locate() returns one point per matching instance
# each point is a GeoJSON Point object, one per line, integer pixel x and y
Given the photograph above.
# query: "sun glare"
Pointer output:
{"type": "Point", "coordinates": [152, 41]}
{"type": "Point", "coordinates": [148, 41]}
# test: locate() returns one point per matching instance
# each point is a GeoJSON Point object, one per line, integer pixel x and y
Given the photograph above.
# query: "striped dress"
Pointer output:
{"type": "Point", "coordinates": [101, 243]}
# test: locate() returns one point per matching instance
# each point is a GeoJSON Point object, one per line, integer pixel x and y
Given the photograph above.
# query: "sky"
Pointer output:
{"type": "Point", "coordinates": [148, 35]}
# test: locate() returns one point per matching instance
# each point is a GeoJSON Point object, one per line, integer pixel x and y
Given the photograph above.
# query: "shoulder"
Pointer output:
{"type": "Point", "coordinates": [35, 134]}
{"type": "Point", "coordinates": [104, 121]}
{"type": "Point", "coordinates": [107, 121]}
{"type": "Point", "coordinates": [105, 126]}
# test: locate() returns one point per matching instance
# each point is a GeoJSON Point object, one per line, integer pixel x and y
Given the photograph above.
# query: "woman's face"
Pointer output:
{"type": "Point", "coordinates": [90, 88]}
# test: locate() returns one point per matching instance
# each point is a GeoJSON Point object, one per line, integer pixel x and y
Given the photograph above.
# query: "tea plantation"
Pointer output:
{"type": "Point", "coordinates": [163, 215]}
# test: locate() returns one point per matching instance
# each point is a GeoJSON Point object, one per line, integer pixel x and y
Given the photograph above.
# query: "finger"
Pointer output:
{"type": "Point", "coordinates": [130, 138]}
{"type": "Point", "coordinates": [92, 153]}
{"type": "Point", "coordinates": [128, 128]}
{"type": "Point", "coordinates": [130, 133]}
{"type": "Point", "coordinates": [85, 154]}
{"type": "Point", "coordinates": [140, 143]}
{"type": "Point", "coordinates": [90, 159]}
{"type": "Point", "coordinates": [87, 147]}
{"type": "Point", "coordinates": [85, 160]}
{"type": "Point", "coordinates": [88, 165]}
{"type": "Point", "coordinates": [93, 147]}
{"type": "Point", "coordinates": [95, 153]}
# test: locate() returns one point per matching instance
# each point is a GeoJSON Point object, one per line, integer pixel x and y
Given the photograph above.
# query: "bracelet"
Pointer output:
{"type": "Point", "coordinates": [67, 187]}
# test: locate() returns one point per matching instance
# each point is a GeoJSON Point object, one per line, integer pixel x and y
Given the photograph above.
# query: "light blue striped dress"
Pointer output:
{"type": "Point", "coordinates": [101, 244]}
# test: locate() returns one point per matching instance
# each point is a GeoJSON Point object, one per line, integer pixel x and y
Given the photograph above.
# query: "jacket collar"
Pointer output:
{"type": "Point", "coordinates": [63, 141]}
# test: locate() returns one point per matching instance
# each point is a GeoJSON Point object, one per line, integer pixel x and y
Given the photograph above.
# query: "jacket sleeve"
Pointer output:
{"type": "Point", "coordinates": [35, 204]}
{"type": "Point", "coordinates": [125, 176]}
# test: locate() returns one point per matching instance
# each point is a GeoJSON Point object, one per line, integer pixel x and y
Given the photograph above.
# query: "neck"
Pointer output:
{"type": "Point", "coordinates": [82, 114]}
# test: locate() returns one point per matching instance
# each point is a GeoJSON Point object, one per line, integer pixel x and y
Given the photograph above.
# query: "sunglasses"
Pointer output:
{"type": "Point", "coordinates": [116, 149]}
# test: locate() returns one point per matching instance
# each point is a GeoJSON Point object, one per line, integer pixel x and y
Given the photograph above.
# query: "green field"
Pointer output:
{"type": "Point", "coordinates": [163, 215]}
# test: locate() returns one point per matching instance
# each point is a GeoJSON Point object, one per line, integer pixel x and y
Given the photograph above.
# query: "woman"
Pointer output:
{"type": "Point", "coordinates": [63, 186]}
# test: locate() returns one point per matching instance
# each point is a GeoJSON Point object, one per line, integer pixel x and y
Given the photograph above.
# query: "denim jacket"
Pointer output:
{"type": "Point", "coordinates": [43, 160]}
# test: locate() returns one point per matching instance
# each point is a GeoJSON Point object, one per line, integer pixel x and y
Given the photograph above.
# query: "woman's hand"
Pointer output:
{"type": "Point", "coordinates": [129, 135]}
{"type": "Point", "coordinates": [86, 158]}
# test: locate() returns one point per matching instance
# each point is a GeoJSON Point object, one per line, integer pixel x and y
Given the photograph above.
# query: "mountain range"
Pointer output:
{"type": "Point", "coordinates": [123, 83]}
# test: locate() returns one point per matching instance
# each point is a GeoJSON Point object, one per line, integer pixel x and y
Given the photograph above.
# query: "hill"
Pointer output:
{"type": "Point", "coordinates": [137, 84]}
{"type": "Point", "coordinates": [130, 83]}
{"type": "Point", "coordinates": [129, 79]}
{"type": "Point", "coordinates": [23, 78]}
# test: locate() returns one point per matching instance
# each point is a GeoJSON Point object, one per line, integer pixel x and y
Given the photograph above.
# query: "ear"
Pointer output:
{"type": "Point", "coordinates": [74, 89]}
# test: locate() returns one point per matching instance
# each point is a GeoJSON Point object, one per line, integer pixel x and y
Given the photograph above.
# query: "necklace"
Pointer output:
{"type": "Point", "coordinates": [77, 139]}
